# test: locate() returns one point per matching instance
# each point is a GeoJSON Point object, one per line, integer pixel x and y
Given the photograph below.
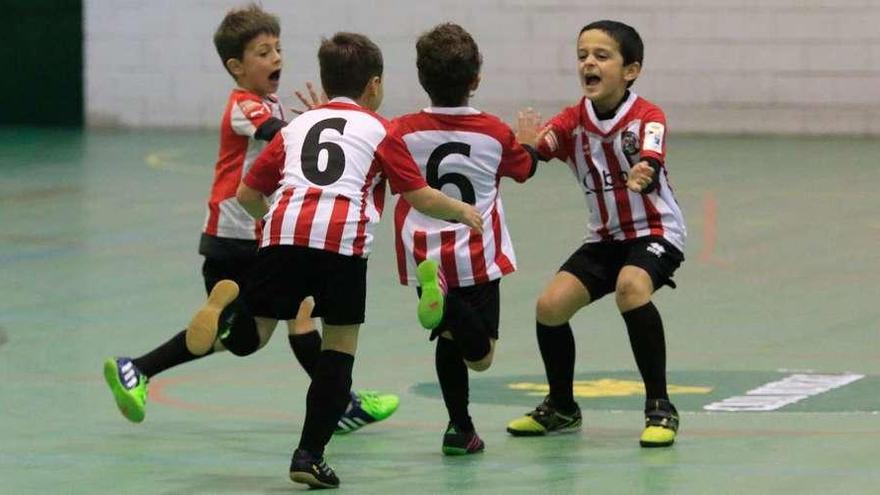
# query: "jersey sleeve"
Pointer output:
{"type": "Point", "coordinates": [398, 165]}
{"type": "Point", "coordinates": [516, 161]}
{"type": "Point", "coordinates": [265, 173]}
{"type": "Point", "coordinates": [653, 135]}
{"type": "Point", "coordinates": [557, 142]}
{"type": "Point", "coordinates": [248, 113]}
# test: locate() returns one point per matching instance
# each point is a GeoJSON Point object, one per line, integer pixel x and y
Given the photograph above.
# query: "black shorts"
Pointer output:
{"type": "Point", "coordinates": [283, 276]}
{"type": "Point", "coordinates": [597, 264]}
{"type": "Point", "coordinates": [485, 299]}
{"type": "Point", "coordinates": [217, 269]}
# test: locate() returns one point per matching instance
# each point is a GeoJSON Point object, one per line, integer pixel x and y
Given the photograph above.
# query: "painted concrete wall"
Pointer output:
{"type": "Point", "coordinates": [715, 66]}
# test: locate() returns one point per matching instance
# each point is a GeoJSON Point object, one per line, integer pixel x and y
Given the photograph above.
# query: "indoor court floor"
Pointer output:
{"type": "Point", "coordinates": [777, 308]}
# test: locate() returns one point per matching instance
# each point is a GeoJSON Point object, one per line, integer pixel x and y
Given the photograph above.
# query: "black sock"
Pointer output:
{"type": "Point", "coordinates": [452, 374]}
{"type": "Point", "coordinates": [306, 347]}
{"type": "Point", "coordinates": [557, 351]}
{"type": "Point", "coordinates": [327, 399]}
{"type": "Point", "coordinates": [166, 356]}
{"type": "Point", "coordinates": [467, 329]}
{"type": "Point", "coordinates": [645, 330]}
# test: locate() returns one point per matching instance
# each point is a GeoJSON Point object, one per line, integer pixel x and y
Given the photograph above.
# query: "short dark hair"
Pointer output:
{"type": "Point", "coordinates": [239, 27]}
{"type": "Point", "coordinates": [449, 62]}
{"type": "Point", "coordinates": [348, 61]}
{"type": "Point", "coordinates": [627, 38]}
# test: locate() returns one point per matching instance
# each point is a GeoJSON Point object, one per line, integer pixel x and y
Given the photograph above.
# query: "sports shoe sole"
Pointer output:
{"type": "Point", "coordinates": [202, 330]}
{"type": "Point", "coordinates": [561, 431]}
{"type": "Point", "coordinates": [309, 479]}
{"type": "Point", "coordinates": [126, 403]}
{"type": "Point", "coordinates": [649, 445]}
{"type": "Point", "coordinates": [454, 451]}
{"type": "Point", "coordinates": [431, 301]}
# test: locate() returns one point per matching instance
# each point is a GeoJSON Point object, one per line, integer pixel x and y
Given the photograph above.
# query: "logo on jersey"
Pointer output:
{"type": "Point", "coordinates": [656, 248]}
{"type": "Point", "coordinates": [629, 142]}
{"type": "Point", "coordinates": [251, 109]}
{"type": "Point", "coordinates": [654, 137]}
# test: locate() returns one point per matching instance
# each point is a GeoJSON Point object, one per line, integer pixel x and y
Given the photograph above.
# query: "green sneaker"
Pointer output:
{"type": "Point", "coordinates": [432, 299]}
{"type": "Point", "coordinates": [661, 424]}
{"type": "Point", "coordinates": [458, 442]}
{"type": "Point", "coordinates": [546, 418]}
{"type": "Point", "coordinates": [366, 407]}
{"type": "Point", "coordinates": [129, 387]}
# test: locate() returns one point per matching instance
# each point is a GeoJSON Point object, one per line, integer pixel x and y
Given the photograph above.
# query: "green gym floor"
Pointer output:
{"type": "Point", "coordinates": [98, 258]}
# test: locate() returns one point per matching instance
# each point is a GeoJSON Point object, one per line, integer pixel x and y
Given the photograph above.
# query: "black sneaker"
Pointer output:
{"type": "Point", "coordinates": [661, 424]}
{"type": "Point", "coordinates": [311, 470]}
{"type": "Point", "coordinates": [545, 419]}
{"type": "Point", "coordinates": [458, 442]}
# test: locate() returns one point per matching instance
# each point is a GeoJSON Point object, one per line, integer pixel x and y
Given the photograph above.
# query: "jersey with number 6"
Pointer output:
{"type": "Point", "coordinates": [330, 165]}
{"type": "Point", "coordinates": [600, 153]}
{"type": "Point", "coordinates": [463, 153]}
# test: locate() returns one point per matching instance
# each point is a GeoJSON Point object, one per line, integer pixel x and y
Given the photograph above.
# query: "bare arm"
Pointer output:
{"type": "Point", "coordinates": [435, 204]}
{"type": "Point", "coordinates": [252, 201]}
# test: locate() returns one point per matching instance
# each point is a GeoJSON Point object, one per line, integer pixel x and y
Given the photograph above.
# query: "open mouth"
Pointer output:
{"type": "Point", "coordinates": [592, 79]}
{"type": "Point", "coordinates": [275, 75]}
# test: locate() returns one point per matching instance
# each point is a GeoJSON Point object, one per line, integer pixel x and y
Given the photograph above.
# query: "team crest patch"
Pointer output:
{"type": "Point", "coordinates": [629, 142]}
{"type": "Point", "coordinates": [654, 137]}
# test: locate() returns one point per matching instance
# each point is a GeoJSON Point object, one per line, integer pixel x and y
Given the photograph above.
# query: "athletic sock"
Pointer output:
{"type": "Point", "coordinates": [328, 396]}
{"type": "Point", "coordinates": [452, 374]}
{"type": "Point", "coordinates": [166, 356]}
{"type": "Point", "coordinates": [645, 330]}
{"type": "Point", "coordinates": [557, 352]}
{"type": "Point", "coordinates": [467, 329]}
{"type": "Point", "coordinates": [306, 347]}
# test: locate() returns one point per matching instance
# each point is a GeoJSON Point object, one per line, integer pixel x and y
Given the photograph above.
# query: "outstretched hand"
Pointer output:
{"type": "Point", "coordinates": [640, 177]}
{"type": "Point", "coordinates": [528, 127]}
{"type": "Point", "coordinates": [312, 102]}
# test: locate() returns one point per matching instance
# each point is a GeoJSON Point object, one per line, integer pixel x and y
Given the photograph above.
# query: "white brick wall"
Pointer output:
{"type": "Point", "coordinates": [717, 66]}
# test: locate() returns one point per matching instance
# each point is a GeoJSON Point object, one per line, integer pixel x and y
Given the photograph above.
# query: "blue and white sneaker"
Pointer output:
{"type": "Point", "coordinates": [129, 387]}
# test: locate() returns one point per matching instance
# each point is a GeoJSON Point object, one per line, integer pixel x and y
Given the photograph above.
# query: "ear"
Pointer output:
{"type": "Point", "coordinates": [475, 84]}
{"type": "Point", "coordinates": [375, 85]}
{"type": "Point", "coordinates": [631, 72]}
{"type": "Point", "coordinates": [235, 67]}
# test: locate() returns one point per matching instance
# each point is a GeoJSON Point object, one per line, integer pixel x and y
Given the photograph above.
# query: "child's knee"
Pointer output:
{"type": "Point", "coordinates": [481, 365]}
{"type": "Point", "coordinates": [549, 312]}
{"type": "Point", "coordinates": [632, 292]}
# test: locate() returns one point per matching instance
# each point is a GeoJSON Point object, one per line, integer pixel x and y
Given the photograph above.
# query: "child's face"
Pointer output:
{"type": "Point", "coordinates": [602, 74]}
{"type": "Point", "coordinates": [260, 66]}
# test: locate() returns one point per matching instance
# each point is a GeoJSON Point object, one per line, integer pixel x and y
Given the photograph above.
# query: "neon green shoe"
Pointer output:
{"type": "Point", "coordinates": [129, 387]}
{"type": "Point", "coordinates": [661, 424]}
{"type": "Point", "coordinates": [433, 296]}
{"type": "Point", "coordinates": [366, 407]}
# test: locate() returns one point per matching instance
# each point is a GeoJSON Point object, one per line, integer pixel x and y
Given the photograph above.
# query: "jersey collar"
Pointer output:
{"type": "Point", "coordinates": [452, 110]}
{"type": "Point", "coordinates": [344, 99]}
{"type": "Point", "coordinates": [606, 125]}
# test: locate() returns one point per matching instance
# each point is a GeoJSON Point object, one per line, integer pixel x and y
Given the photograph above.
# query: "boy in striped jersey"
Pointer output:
{"type": "Point", "coordinates": [614, 143]}
{"type": "Point", "coordinates": [247, 42]}
{"type": "Point", "coordinates": [463, 152]}
{"type": "Point", "coordinates": [329, 167]}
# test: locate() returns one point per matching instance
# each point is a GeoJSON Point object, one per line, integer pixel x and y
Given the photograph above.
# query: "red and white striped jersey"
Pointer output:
{"type": "Point", "coordinates": [464, 153]}
{"type": "Point", "coordinates": [332, 163]}
{"type": "Point", "coordinates": [244, 113]}
{"type": "Point", "coordinates": [600, 153]}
